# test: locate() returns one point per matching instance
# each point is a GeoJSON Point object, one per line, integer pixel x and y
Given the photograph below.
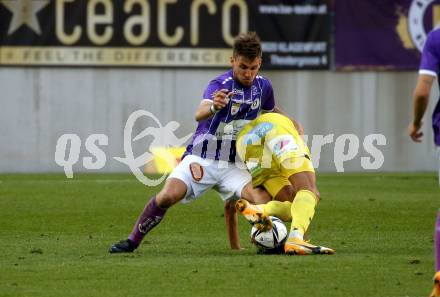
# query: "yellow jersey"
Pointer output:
{"type": "Point", "coordinates": [271, 148]}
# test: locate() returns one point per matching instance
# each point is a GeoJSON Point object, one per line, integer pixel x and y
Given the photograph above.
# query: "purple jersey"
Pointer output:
{"type": "Point", "coordinates": [215, 137]}
{"type": "Point", "coordinates": [430, 65]}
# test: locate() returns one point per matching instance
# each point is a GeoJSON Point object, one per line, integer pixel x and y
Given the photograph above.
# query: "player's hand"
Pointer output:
{"type": "Point", "coordinates": [414, 131]}
{"type": "Point", "coordinates": [221, 98]}
{"type": "Point", "coordinates": [299, 128]}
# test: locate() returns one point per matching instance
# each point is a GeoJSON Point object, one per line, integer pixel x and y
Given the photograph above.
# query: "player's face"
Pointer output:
{"type": "Point", "coordinates": [244, 69]}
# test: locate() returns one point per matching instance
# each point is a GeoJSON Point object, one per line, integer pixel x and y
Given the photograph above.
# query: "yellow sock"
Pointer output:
{"type": "Point", "coordinates": [302, 211]}
{"type": "Point", "coordinates": [278, 209]}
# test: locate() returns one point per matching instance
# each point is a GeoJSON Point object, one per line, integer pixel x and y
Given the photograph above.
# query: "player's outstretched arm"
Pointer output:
{"type": "Point", "coordinates": [420, 103]}
{"type": "Point", "coordinates": [232, 224]}
{"type": "Point", "coordinates": [297, 125]}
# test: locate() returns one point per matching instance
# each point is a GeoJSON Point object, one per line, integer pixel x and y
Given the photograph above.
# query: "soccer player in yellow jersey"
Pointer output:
{"type": "Point", "coordinates": [278, 159]}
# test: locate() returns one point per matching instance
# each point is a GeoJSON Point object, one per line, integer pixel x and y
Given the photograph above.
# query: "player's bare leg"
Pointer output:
{"type": "Point", "coordinates": [255, 195]}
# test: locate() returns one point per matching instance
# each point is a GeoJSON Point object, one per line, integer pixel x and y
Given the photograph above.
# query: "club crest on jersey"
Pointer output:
{"type": "Point", "coordinates": [255, 104]}
{"type": "Point", "coordinates": [196, 171]}
{"type": "Point", "coordinates": [235, 107]}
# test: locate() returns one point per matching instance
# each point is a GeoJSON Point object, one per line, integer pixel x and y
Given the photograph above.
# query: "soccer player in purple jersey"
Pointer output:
{"type": "Point", "coordinates": [428, 71]}
{"type": "Point", "coordinates": [229, 102]}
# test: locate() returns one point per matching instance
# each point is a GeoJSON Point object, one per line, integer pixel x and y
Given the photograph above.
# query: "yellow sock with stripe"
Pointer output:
{"type": "Point", "coordinates": [302, 212]}
{"type": "Point", "coordinates": [278, 209]}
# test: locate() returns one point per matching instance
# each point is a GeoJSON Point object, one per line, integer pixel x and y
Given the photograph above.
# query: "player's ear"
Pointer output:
{"type": "Point", "coordinates": [231, 60]}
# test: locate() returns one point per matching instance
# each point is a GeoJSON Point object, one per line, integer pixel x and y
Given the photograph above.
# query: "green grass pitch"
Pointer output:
{"type": "Point", "coordinates": [55, 234]}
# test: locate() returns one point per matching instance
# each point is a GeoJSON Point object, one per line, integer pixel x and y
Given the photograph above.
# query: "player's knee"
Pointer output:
{"type": "Point", "coordinates": [317, 195]}
{"type": "Point", "coordinates": [313, 190]}
{"type": "Point", "coordinates": [167, 198]}
{"type": "Point", "coordinates": [173, 191]}
{"type": "Point", "coordinates": [255, 195]}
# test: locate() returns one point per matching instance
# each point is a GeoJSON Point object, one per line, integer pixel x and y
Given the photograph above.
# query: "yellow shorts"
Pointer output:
{"type": "Point", "coordinates": [274, 184]}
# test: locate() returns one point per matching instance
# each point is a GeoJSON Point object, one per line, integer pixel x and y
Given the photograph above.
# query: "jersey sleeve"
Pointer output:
{"type": "Point", "coordinates": [430, 56]}
{"type": "Point", "coordinates": [269, 99]}
{"type": "Point", "coordinates": [210, 90]}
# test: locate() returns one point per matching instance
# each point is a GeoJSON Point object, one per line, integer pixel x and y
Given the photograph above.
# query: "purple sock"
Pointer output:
{"type": "Point", "coordinates": [148, 219]}
{"type": "Point", "coordinates": [437, 243]}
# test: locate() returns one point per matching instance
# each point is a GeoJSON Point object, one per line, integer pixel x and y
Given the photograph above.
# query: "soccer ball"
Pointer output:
{"type": "Point", "coordinates": [271, 240]}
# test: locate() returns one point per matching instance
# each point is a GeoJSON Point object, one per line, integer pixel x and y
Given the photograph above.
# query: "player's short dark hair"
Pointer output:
{"type": "Point", "coordinates": [247, 45]}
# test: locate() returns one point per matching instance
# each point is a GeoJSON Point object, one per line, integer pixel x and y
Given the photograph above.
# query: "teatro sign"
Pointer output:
{"type": "Point", "coordinates": [194, 33]}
